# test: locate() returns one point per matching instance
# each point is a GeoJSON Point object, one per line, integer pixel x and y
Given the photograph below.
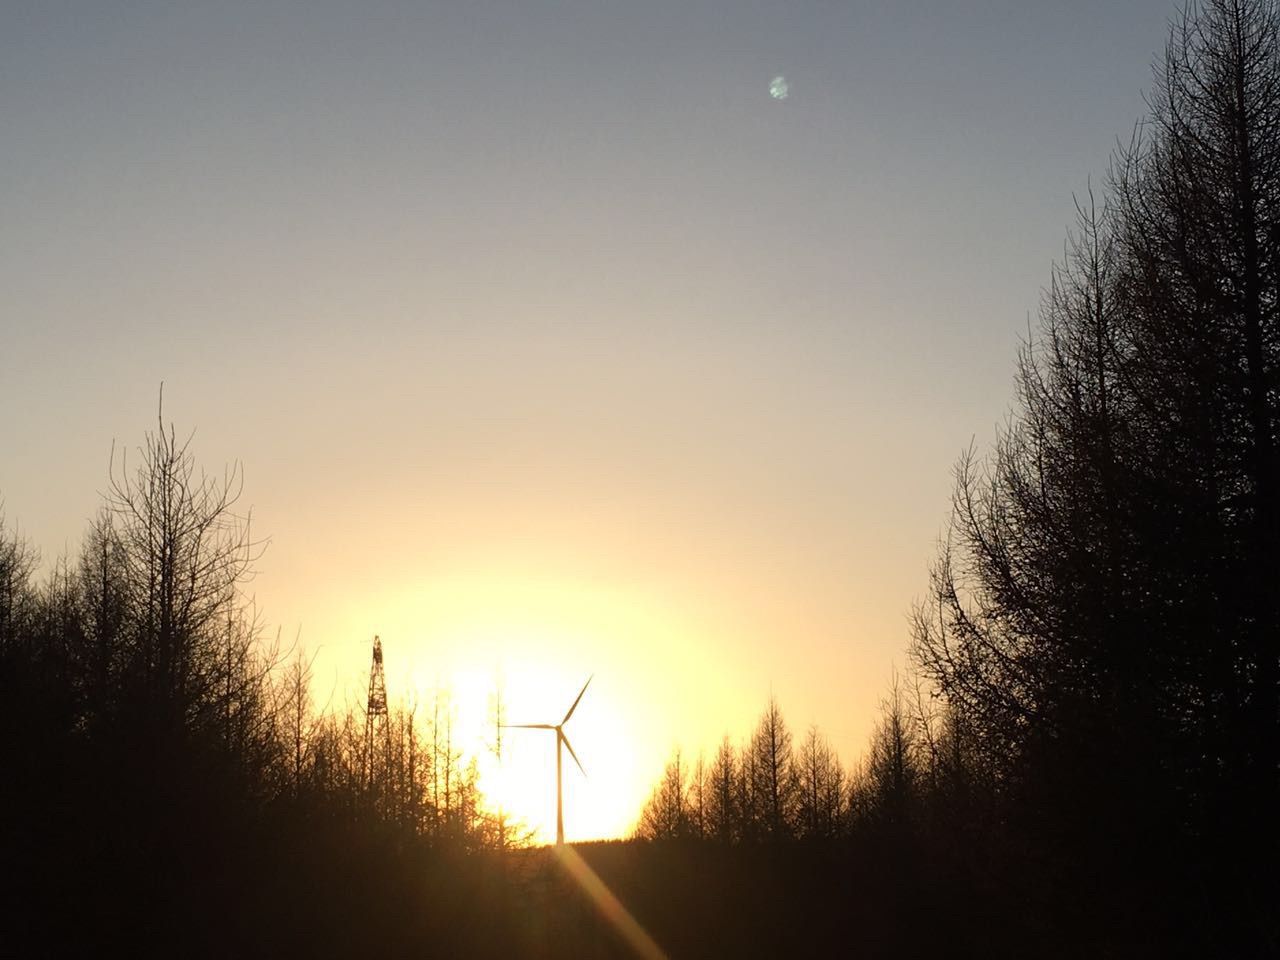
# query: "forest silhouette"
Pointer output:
{"type": "Point", "coordinates": [1082, 759]}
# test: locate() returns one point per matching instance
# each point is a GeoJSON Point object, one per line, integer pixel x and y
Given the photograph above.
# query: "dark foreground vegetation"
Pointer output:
{"type": "Point", "coordinates": [1085, 760]}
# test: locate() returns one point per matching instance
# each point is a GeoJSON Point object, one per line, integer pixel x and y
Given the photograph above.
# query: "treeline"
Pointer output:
{"type": "Point", "coordinates": [912, 832]}
{"type": "Point", "coordinates": [166, 777]}
{"type": "Point", "coordinates": [918, 773]}
{"type": "Point", "coordinates": [782, 849]}
{"type": "Point", "coordinates": [1101, 631]}
{"type": "Point", "coordinates": [766, 789]}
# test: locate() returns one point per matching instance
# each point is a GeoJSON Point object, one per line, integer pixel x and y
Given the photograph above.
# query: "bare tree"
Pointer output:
{"type": "Point", "coordinates": [298, 725]}
{"type": "Point", "coordinates": [773, 787]}
{"type": "Point", "coordinates": [820, 788]}
{"type": "Point", "coordinates": [104, 599]}
{"type": "Point", "coordinates": [498, 714]}
{"type": "Point", "coordinates": [666, 814]}
{"type": "Point", "coordinates": [185, 552]}
{"type": "Point", "coordinates": [697, 799]}
{"type": "Point", "coordinates": [18, 560]}
{"type": "Point", "coordinates": [893, 768]}
{"type": "Point", "coordinates": [723, 816]}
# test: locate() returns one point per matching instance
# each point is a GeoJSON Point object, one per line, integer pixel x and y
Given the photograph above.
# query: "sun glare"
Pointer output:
{"type": "Point", "coordinates": [517, 767]}
{"type": "Point", "coordinates": [459, 647]}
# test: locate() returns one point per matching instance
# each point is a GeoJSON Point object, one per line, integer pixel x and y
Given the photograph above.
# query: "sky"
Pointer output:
{"type": "Point", "coordinates": [551, 343]}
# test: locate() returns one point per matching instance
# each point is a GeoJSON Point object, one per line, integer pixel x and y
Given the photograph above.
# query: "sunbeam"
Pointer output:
{"type": "Point", "coordinates": [608, 905]}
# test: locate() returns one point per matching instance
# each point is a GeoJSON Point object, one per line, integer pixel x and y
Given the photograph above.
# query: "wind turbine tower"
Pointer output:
{"type": "Point", "coordinates": [561, 741]}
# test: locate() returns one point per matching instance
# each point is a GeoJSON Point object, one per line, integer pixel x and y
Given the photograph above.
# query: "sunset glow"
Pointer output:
{"type": "Point", "coordinates": [553, 340]}
{"type": "Point", "coordinates": [537, 651]}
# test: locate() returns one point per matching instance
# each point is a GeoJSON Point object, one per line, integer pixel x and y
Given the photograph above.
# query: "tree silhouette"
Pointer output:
{"type": "Point", "coordinates": [104, 600]}
{"type": "Point", "coordinates": [723, 815]}
{"type": "Point", "coordinates": [1201, 223]}
{"type": "Point", "coordinates": [17, 600]}
{"type": "Point", "coordinates": [666, 813]}
{"type": "Point", "coordinates": [1103, 610]}
{"type": "Point", "coordinates": [191, 664]}
{"type": "Point", "coordinates": [774, 789]}
{"type": "Point", "coordinates": [820, 782]}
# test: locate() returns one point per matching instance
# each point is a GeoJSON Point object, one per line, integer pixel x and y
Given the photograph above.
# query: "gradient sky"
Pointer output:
{"type": "Point", "coordinates": [550, 342]}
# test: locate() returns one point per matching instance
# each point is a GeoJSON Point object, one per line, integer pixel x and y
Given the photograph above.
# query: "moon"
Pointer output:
{"type": "Point", "coordinates": [778, 88]}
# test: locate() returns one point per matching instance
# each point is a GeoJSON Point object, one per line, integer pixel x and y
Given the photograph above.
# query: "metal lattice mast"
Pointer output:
{"type": "Point", "coordinates": [376, 712]}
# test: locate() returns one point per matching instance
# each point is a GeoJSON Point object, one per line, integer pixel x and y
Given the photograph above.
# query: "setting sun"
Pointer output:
{"type": "Point", "coordinates": [530, 646]}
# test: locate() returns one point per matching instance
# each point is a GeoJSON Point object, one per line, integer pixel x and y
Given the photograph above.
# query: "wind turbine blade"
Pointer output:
{"type": "Point", "coordinates": [527, 726]}
{"type": "Point", "coordinates": [570, 746]}
{"type": "Point", "coordinates": [575, 703]}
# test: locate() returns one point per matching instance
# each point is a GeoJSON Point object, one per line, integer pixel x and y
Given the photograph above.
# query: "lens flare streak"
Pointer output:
{"type": "Point", "coordinates": [608, 905]}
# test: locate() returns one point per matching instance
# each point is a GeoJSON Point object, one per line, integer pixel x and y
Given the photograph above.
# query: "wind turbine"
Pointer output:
{"type": "Point", "coordinates": [561, 740]}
